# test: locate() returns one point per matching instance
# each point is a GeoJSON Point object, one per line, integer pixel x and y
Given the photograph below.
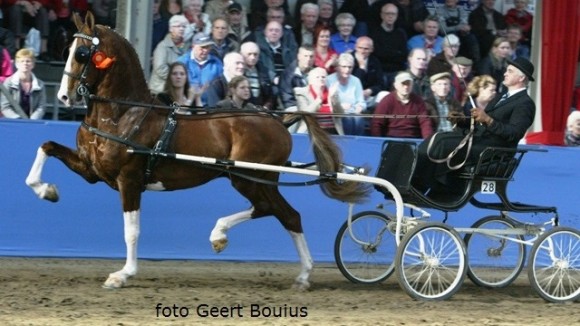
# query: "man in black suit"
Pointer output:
{"type": "Point", "coordinates": [503, 123]}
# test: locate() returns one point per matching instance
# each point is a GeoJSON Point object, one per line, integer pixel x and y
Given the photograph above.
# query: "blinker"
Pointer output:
{"type": "Point", "coordinates": [82, 54]}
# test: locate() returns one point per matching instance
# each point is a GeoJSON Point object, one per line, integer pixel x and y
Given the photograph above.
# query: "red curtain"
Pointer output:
{"type": "Point", "coordinates": [560, 49]}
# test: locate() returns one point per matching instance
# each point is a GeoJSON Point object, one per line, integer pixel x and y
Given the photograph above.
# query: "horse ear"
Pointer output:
{"type": "Point", "coordinates": [90, 20]}
{"type": "Point", "coordinates": [78, 21]}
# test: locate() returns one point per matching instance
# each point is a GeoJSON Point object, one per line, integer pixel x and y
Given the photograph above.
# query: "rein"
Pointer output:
{"type": "Point", "coordinates": [468, 139]}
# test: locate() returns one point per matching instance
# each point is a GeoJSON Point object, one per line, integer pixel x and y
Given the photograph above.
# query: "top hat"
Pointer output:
{"type": "Point", "coordinates": [524, 65]}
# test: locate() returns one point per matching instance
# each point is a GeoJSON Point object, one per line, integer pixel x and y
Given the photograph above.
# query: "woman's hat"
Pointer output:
{"type": "Point", "coordinates": [524, 65]}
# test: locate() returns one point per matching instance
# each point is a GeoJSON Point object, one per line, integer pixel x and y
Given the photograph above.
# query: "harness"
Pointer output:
{"type": "Point", "coordinates": [85, 54]}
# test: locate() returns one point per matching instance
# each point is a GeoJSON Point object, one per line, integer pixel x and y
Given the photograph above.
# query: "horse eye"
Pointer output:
{"type": "Point", "coordinates": [82, 54]}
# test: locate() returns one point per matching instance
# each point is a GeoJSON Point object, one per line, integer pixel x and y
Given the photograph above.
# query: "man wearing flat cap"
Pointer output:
{"type": "Point", "coordinates": [412, 120]}
{"type": "Point", "coordinates": [440, 104]}
{"type": "Point", "coordinates": [503, 123]}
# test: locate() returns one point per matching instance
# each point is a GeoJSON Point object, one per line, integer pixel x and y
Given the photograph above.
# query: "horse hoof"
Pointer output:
{"type": "Point", "coordinates": [301, 286]}
{"type": "Point", "coordinates": [219, 245]}
{"type": "Point", "coordinates": [51, 194]}
{"type": "Point", "coordinates": [113, 283]}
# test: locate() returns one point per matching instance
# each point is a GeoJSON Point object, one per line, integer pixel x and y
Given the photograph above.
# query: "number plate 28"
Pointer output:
{"type": "Point", "coordinates": [488, 187]}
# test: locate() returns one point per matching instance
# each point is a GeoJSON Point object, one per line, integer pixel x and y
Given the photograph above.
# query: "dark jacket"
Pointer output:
{"type": "Point", "coordinates": [453, 105]}
{"type": "Point", "coordinates": [478, 22]}
{"type": "Point", "coordinates": [372, 77]}
{"type": "Point", "coordinates": [288, 81]}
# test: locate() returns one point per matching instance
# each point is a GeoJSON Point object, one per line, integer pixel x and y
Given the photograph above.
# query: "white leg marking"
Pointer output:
{"type": "Point", "coordinates": [302, 281]}
{"type": "Point", "coordinates": [132, 229]}
{"type": "Point", "coordinates": [218, 237]}
{"type": "Point", "coordinates": [157, 186]}
{"type": "Point", "coordinates": [33, 180]}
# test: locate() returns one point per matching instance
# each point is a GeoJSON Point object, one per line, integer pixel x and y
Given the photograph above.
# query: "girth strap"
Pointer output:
{"type": "Point", "coordinates": [162, 143]}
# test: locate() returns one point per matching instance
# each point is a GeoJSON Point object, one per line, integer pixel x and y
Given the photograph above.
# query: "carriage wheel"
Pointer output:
{"type": "Point", "coordinates": [554, 265]}
{"type": "Point", "coordinates": [494, 262]}
{"type": "Point", "coordinates": [372, 260]}
{"type": "Point", "coordinates": [431, 262]}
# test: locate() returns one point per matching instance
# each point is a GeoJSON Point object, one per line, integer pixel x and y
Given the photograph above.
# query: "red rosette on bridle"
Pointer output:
{"type": "Point", "coordinates": [101, 60]}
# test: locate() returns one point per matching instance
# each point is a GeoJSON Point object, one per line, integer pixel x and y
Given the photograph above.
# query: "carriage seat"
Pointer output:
{"type": "Point", "coordinates": [398, 162]}
{"type": "Point", "coordinates": [494, 163]}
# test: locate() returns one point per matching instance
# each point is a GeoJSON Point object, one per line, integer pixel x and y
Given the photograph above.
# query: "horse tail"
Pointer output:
{"type": "Point", "coordinates": [328, 158]}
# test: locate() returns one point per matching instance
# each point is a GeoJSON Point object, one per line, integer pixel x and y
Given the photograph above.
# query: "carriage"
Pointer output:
{"type": "Point", "coordinates": [431, 259]}
{"type": "Point", "coordinates": [132, 143]}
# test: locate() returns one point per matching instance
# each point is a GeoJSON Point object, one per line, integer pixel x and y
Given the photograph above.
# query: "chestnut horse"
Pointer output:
{"type": "Point", "coordinates": [103, 65]}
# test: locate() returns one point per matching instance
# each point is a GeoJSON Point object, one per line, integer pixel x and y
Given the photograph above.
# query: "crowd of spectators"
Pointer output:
{"type": "Point", "coordinates": [362, 46]}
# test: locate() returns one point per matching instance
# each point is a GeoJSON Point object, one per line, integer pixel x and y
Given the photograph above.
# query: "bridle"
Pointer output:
{"type": "Point", "coordinates": [83, 55]}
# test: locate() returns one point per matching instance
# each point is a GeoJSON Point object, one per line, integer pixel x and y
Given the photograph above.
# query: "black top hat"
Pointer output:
{"type": "Point", "coordinates": [524, 65]}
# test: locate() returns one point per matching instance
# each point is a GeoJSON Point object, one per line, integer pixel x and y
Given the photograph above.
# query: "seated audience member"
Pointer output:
{"type": "Point", "coordinates": [402, 102]}
{"type": "Point", "coordinates": [6, 66]}
{"type": "Point", "coordinates": [219, 35]}
{"type": "Point", "coordinates": [159, 29]}
{"type": "Point", "coordinates": [105, 12]}
{"type": "Point", "coordinates": [441, 103]}
{"type": "Point", "coordinates": [444, 60]}
{"type": "Point", "coordinates": [233, 66]}
{"type": "Point", "coordinates": [202, 67]}
{"type": "Point", "coordinates": [520, 16]}
{"type": "Point", "coordinates": [368, 69]}
{"type": "Point", "coordinates": [390, 43]}
{"type": "Point", "coordinates": [412, 15]}
{"type": "Point", "coordinates": [295, 75]}
{"type": "Point", "coordinates": [257, 75]}
{"type": "Point", "coordinates": [482, 90]}
{"type": "Point", "coordinates": [238, 95]}
{"type": "Point", "coordinates": [273, 54]}
{"type": "Point", "coordinates": [298, 5]}
{"type": "Point", "coordinates": [503, 123]}
{"type": "Point", "coordinates": [495, 63]}
{"type": "Point", "coordinates": [61, 27]}
{"type": "Point", "coordinates": [486, 24]}
{"type": "Point", "coordinates": [461, 76]}
{"type": "Point", "coordinates": [259, 12]}
{"type": "Point", "coordinates": [453, 19]}
{"type": "Point", "coordinates": [316, 97]}
{"type": "Point", "coordinates": [429, 39]}
{"type": "Point", "coordinates": [275, 14]}
{"type": "Point", "coordinates": [343, 40]}
{"type": "Point", "coordinates": [304, 29]}
{"type": "Point", "coordinates": [361, 10]}
{"type": "Point", "coordinates": [197, 20]}
{"type": "Point", "coordinates": [327, 14]}
{"type": "Point", "coordinates": [7, 41]}
{"type": "Point", "coordinates": [177, 90]}
{"type": "Point", "coordinates": [417, 62]}
{"type": "Point", "coordinates": [350, 93]}
{"type": "Point", "coordinates": [238, 30]}
{"type": "Point", "coordinates": [26, 98]}
{"type": "Point", "coordinates": [167, 51]}
{"type": "Point", "coordinates": [324, 56]}
{"type": "Point", "coordinates": [24, 14]}
{"type": "Point", "coordinates": [169, 8]}
{"type": "Point", "coordinates": [519, 49]}
{"type": "Point", "coordinates": [216, 8]}
{"type": "Point", "coordinates": [572, 135]}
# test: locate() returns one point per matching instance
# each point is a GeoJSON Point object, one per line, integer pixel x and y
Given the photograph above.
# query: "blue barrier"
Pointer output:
{"type": "Point", "coordinates": [87, 221]}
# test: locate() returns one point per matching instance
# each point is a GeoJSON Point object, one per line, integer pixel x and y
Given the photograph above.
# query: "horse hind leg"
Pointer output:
{"type": "Point", "coordinates": [218, 237]}
{"type": "Point", "coordinates": [68, 157]}
{"type": "Point", "coordinates": [267, 200]}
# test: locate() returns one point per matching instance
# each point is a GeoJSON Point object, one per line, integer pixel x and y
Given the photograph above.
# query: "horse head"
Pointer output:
{"type": "Point", "coordinates": [98, 56]}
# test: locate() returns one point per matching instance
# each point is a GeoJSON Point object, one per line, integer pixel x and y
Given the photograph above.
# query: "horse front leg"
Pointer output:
{"type": "Point", "coordinates": [69, 157]}
{"type": "Point", "coordinates": [131, 199]}
{"type": "Point", "coordinates": [119, 278]}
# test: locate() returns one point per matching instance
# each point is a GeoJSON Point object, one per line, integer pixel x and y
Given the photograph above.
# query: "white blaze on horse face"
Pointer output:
{"type": "Point", "coordinates": [63, 93]}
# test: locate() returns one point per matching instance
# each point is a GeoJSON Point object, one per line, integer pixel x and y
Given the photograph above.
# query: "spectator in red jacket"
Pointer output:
{"type": "Point", "coordinates": [519, 15]}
